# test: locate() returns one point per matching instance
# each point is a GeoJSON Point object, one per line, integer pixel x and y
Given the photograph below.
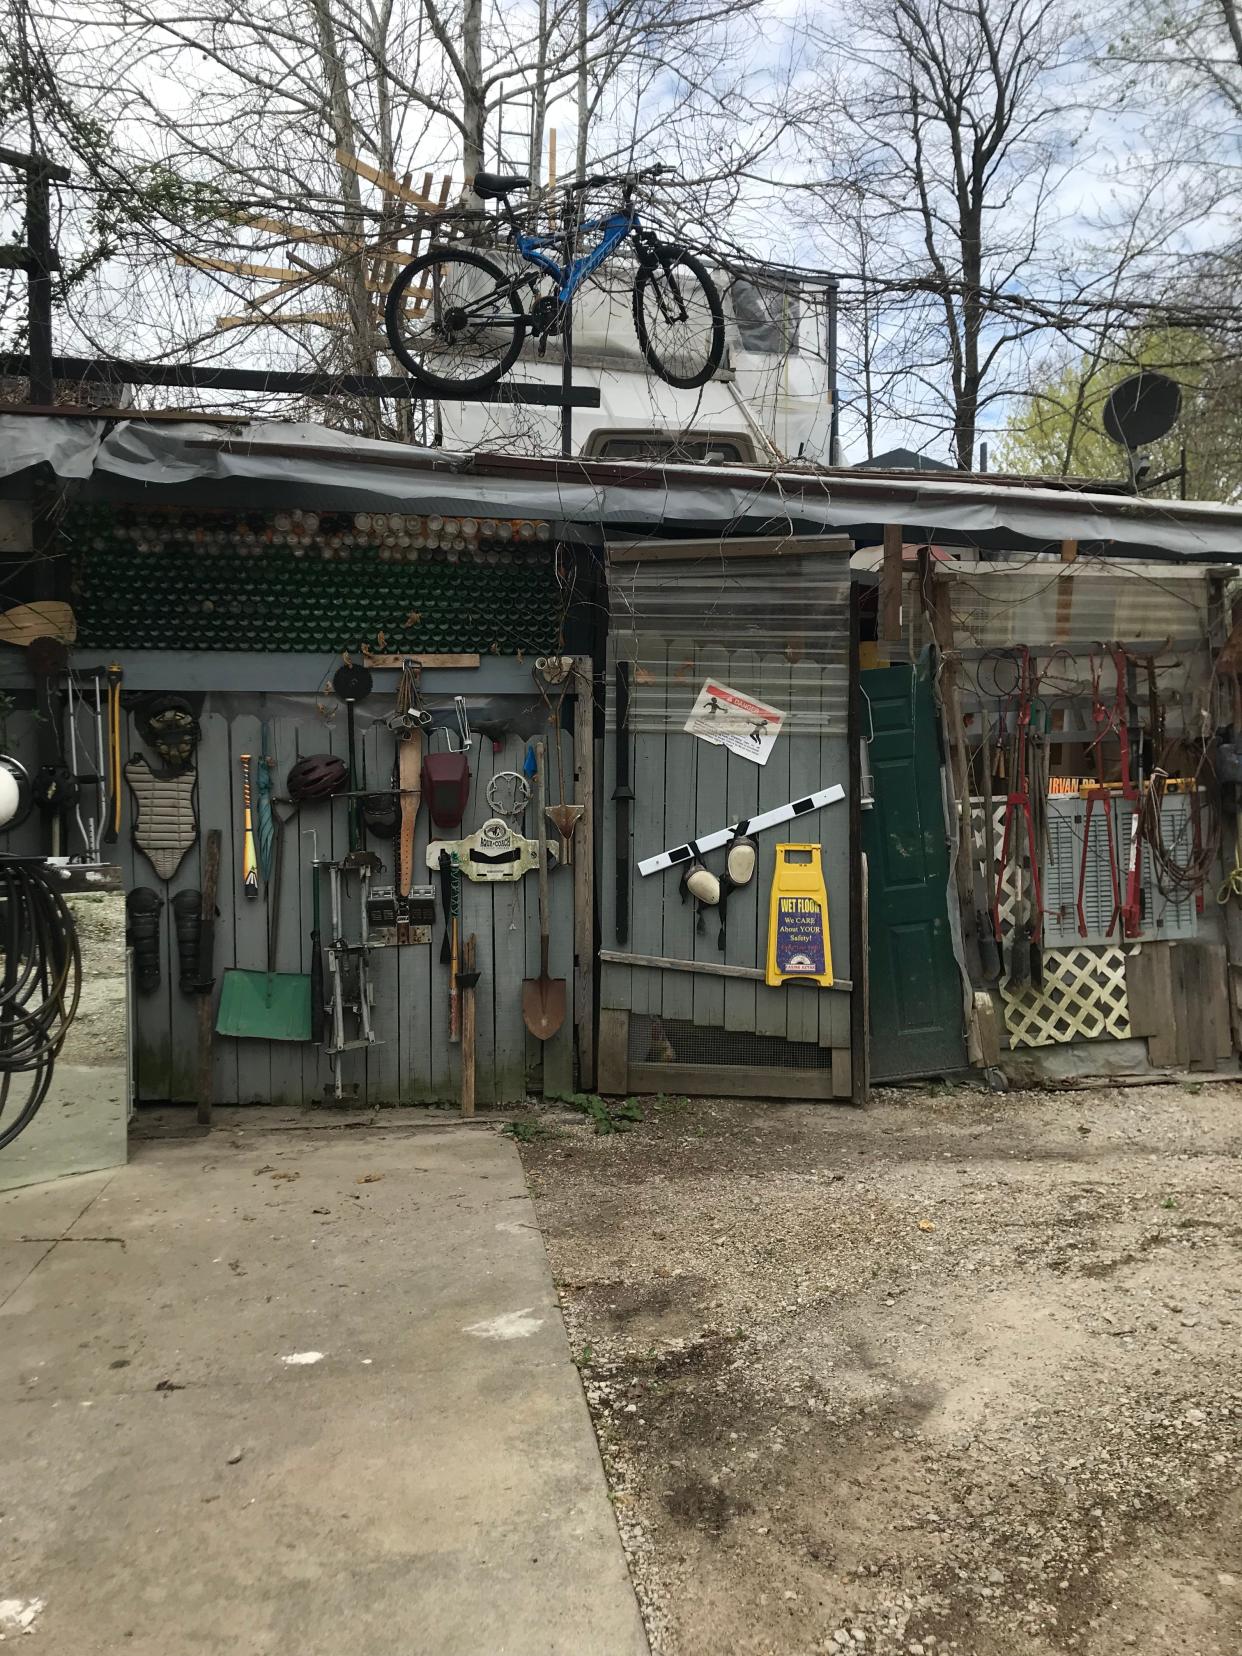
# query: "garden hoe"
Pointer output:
{"type": "Point", "coordinates": [543, 998]}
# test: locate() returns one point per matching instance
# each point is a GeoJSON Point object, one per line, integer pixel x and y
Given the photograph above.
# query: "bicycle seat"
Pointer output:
{"type": "Point", "coordinates": [490, 185]}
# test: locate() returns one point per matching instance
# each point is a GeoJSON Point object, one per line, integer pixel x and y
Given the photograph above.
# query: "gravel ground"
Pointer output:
{"type": "Point", "coordinates": [954, 1373]}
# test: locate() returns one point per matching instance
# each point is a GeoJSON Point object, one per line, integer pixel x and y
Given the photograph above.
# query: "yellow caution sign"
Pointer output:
{"type": "Point", "coordinates": [799, 945]}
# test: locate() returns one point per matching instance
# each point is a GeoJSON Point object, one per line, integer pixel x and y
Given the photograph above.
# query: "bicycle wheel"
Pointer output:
{"type": "Point", "coordinates": [679, 319]}
{"type": "Point", "coordinates": [453, 320]}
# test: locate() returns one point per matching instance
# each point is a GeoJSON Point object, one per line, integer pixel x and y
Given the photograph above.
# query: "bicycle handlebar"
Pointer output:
{"type": "Point", "coordinates": [627, 180]}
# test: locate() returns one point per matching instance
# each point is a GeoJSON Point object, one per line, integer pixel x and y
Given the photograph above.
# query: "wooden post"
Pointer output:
{"type": "Point", "coordinates": [614, 1047]}
{"type": "Point", "coordinates": [205, 1087]}
{"type": "Point", "coordinates": [584, 870]}
{"type": "Point", "coordinates": [468, 1028]}
{"type": "Point", "coordinates": [889, 620]}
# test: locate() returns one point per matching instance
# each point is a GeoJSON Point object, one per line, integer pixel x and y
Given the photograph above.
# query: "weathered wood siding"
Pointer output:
{"type": "Point", "coordinates": [416, 1062]}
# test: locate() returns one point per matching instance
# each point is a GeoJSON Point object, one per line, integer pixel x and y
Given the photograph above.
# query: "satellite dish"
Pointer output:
{"type": "Point", "coordinates": [1142, 409]}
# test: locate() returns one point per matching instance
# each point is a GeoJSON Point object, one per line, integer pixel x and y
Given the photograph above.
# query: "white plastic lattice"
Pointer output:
{"type": "Point", "coordinates": [1083, 999]}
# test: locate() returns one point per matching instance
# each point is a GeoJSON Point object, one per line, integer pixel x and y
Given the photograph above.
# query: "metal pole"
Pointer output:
{"type": "Point", "coordinates": [834, 430]}
{"type": "Point", "coordinates": [567, 380]}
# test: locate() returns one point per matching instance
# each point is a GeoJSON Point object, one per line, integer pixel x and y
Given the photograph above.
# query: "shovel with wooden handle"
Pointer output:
{"type": "Point", "coordinates": [543, 998]}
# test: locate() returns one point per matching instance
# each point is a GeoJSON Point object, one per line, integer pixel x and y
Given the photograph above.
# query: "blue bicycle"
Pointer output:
{"type": "Point", "coordinates": [457, 321]}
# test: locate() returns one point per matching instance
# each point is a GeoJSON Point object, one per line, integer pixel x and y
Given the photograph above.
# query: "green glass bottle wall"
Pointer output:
{"type": "Point", "coordinates": [305, 580]}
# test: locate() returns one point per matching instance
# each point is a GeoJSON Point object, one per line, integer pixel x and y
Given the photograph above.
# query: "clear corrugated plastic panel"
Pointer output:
{"type": "Point", "coordinates": [776, 629]}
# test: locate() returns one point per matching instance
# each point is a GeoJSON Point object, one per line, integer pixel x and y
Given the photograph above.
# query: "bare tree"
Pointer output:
{"type": "Point", "coordinates": [952, 129]}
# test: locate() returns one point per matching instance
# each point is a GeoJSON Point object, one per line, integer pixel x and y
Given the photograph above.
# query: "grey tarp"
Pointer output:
{"type": "Point", "coordinates": [342, 471]}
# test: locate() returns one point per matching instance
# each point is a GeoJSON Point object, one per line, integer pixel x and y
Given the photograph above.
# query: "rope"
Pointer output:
{"type": "Point", "coordinates": [42, 979]}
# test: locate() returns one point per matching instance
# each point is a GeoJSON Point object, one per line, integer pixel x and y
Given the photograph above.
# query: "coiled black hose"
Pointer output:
{"type": "Point", "coordinates": [40, 981]}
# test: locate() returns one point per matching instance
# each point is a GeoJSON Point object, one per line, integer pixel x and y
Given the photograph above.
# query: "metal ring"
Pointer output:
{"type": "Point", "coordinates": [520, 795]}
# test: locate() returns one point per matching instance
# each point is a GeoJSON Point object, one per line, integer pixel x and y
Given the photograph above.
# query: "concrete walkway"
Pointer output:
{"type": "Point", "coordinates": [297, 1392]}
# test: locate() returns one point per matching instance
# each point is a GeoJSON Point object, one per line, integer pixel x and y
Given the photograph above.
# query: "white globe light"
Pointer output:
{"type": "Point", "coordinates": [9, 796]}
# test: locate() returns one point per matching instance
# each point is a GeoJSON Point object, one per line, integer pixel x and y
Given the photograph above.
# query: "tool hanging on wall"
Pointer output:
{"type": "Point", "coordinates": [467, 982]}
{"type": "Point", "coordinates": [265, 820]}
{"type": "Point", "coordinates": [454, 935]}
{"type": "Point", "coordinates": [142, 907]}
{"type": "Point", "coordinates": [88, 827]}
{"type": "Point", "coordinates": [206, 973]}
{"type": "Point", "coordinates": [494, 852]}
{"type": "Point", "coordinates": [1020, 842]}
{"type": "Point", "coordinates": [564, 818]}
{"type": "Point", "coordinates": [352, 994]}
{"type": "Point", "coordinates": [55, 785]}
{"type": "Point", "coordinates": [757, 824]}
{"type": "Point", "coordinates": [444, 869]}
{"type": "Point", "coordinates": [799, 944]}
{"type": "Point", "coordinates": [250, 855]}
{"type": "Point", "coordinates": [165, 820]}
{"type": "Point", "coordinates": [316, 946]}
{"type": "Point", "coordinates": [267, 1005]}
{"type": "Point", "coordinates": [623, 798]}
{"type": "Point", "coordinates": [1100, 795]}
{"type": "Point", "coordinates": [1132, 899]}
{"type": "Point", "coordinates": [543, 998]}
{"type": "Point", "coordinates": [352, 684]}
{"type": "Point", "coordinates": [114, 680]}
{"type": "Point", "coordinates": [508, 795]}
{"type": "Point", "coordinates": [101, 762]}
{"type": "Point", "coordinates": [446, 776]}
{"type": "Point", "coordinates": [990, 962]}
{"type": "Point", "coordinates": [408, 722]}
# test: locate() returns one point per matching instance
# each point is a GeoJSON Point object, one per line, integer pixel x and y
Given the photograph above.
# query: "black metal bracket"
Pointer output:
{"type": "Point", "coordinates": [190, 376]}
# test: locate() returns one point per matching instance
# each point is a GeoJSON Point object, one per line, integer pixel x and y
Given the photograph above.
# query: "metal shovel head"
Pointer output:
{"type": "Point", "coordinates": [543, 1006]}
{"type": "Point", "coordinates": [564, 818]}
{"type": "Point", "coordinates": [265, 1006]}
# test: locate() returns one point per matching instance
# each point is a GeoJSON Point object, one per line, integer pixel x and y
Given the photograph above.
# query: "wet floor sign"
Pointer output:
{"type": "Point", "coordinates": [798, 942]}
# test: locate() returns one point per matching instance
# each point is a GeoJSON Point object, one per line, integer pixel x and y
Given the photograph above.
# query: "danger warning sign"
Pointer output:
{"type": "Point", "coordinates": [727, 718]}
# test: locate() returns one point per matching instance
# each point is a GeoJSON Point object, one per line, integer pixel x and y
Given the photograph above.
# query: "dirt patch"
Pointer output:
{"type": "Point", "coordinates": [951, 1374]}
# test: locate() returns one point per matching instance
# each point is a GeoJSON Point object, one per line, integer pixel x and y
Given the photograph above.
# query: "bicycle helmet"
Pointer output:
{"type": "Point", "coordinates": [317, 776]}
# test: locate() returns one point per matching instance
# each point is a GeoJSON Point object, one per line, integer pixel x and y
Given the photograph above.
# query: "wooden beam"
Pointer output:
{"type": "Point", "coordinates": [462, 661]}
{"type": "Point", "coordinates": [239, 267]}
{"type": "Point", "coordinates": [614, 1046]}
{"type": "Point", "coordinates": [292, 319]}
{"type": "Point", "coordinates": [746, 546]}
{"type": "Point", "coordinates": [390, 185]}
{"type": "Point", "coordinates": [738, 1080]}
{"type": "Point", "coordinates": [888, 626]}
{"type": "Point", "coordinates": [299, 232]}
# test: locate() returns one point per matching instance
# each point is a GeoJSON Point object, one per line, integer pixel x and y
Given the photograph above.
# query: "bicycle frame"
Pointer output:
{"type": "Point", "coordinates": [613, 231]}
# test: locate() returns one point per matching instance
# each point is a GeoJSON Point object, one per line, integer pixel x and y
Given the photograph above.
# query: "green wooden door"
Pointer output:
{"type": "Point", "coordinates": [915, 986]}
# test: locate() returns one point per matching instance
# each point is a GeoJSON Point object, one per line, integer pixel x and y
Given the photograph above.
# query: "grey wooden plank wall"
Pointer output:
{"type": "Point", "coordinates": [682, 787]}
{"type": "Point", "coordinates": [416, 1062]}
